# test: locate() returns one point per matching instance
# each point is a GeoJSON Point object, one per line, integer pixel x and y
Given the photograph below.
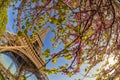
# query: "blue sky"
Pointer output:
{"type": "Point", "coordinates": [47, 44]}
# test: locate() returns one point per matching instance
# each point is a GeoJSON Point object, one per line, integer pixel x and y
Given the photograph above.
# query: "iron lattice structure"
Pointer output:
{"type": "Point", "coordinates": [25, 53]}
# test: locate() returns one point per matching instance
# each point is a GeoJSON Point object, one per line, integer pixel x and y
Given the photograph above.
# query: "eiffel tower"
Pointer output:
{"type": "Point", "coordinates": [24, 54]}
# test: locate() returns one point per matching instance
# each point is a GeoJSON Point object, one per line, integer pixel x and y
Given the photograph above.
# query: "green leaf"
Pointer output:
{"type": "Point", "coordinates": [47, 71]}
{"type": "Point", "coordinates": [70, 74]}
{"type": "Point", "coordinates": [54, 60]}
{"type": "Point", "coordinates": [54, 70]}
{"type": "Point", "coordinates": [65, 51]}
{"type": "Point", "coordinates": [3, 19]}
{"type": "Point", "coordinates": [53, 20]}
{"type": "Point", "coordinates": [1, 77]}
{"type": "Point", "coordinates": [19, 33]}
{"type": "Point", "coordinates": [62, 67]}
{"type": "Point", "coordinates": [84, 37]}
{"type": "Point", "coordinates": [98, 79]}
{"type": "Point", "coordinates": [55, 46]}
{"type": "Point", "coordinates": [22, 77]}
{"type": "Point", "coordinates": [68, 56]}
{"type": "Point", "coordinates": [62, 31]}
{"type": "Point", "coordinates": [52, 39]}
{"type": "Point", "coordinates": [46, 53]}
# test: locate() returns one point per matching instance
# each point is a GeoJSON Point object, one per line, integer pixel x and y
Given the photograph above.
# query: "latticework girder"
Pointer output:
{"type": "Point", "coordinates": [28, 52]}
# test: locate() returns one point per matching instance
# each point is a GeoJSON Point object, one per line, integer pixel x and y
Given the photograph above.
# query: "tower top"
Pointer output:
{"type": "Point", "coordinates": [43, 33]}
{"type": "Point", "coordinates": [38, 40]}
